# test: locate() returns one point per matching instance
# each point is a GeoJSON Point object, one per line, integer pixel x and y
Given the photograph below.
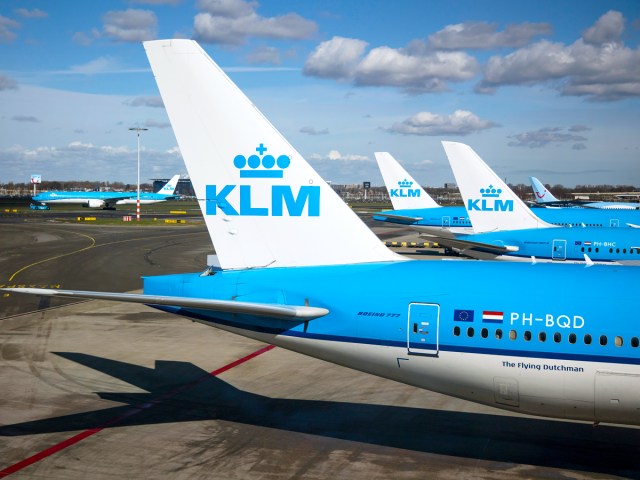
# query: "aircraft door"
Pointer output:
{"type": "Point", "coordinates": [616, 397]}
{"type": "Point", "coordinates": [422, 330]}
{"type": "Point", "coordinates": [559, 251]}
{"type": "Point", "coordinates": [446, 222]}
{"type": "Point", "coordinates": [614, 222]}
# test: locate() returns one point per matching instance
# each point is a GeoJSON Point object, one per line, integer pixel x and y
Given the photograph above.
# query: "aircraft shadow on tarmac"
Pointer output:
{"type": "Point", "coordinates": [181, 392]}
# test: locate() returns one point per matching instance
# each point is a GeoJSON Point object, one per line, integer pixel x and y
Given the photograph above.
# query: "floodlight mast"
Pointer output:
{"type": "Point", "coordinates": [138, 130]}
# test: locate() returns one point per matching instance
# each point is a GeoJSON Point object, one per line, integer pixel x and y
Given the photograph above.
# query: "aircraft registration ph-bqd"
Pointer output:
{"type": "Point", "coordinates": [468, 329]}
{"type": "Point", "coordinates": [108, 200]}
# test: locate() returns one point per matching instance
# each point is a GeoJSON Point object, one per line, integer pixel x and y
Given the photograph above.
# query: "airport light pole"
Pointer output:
{"type": "Point", "coordinates": [138, 130]}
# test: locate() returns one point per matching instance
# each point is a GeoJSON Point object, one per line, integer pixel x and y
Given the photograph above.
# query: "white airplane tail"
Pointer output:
{"type": "Point", "coordinates": [404, 191]}
{"type": "Point", "coordinates": [169, 188]}
{"type": "Point", "coordinates": [490, 203]}
{"type": "Point", "coordinates": [263, 204]}
{"type": "Point", "coordinates": [540, 192]}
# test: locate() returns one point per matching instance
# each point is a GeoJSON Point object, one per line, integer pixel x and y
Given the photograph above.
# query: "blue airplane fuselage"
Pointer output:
{"type": "Point", "coordinates": [457, 216]}
{"type": "Point", "coordinates": [600, 244]}
{"type": "Point", "coordinates": [417, 321]}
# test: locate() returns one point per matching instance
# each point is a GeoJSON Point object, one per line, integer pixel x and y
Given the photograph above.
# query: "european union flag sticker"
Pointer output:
{"type": "Point", "coordinates": [463, 315]}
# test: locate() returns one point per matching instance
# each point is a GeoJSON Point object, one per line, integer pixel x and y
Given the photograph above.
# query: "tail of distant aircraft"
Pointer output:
{"type": "Point", "coordinates": [490, 203]}
{"type": "Point", "coordinates": [263, 204]}
{"type": "Point", "coordinates": [169, 188]}
{"type": "Point", "coordinates": [404, 191]}
{"type": "Point", "coordinates": [540, 192]}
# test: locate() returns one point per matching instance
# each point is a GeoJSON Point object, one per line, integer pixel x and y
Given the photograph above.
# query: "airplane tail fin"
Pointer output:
{"type": "Point", "coordinates": [169, 188]}
{"type": "Point", "coordinates": [540, 192]}
{"type": "Point", "coordinates": [263, 204]}
{"type": "Point", "coordinates": [404, 191]}
{"type": "Point", "coordinates": [490, 203]}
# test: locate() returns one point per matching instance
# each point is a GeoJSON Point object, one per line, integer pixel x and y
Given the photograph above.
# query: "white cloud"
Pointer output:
{"type": "Point", "coordinates": [6, 27]}
{"type": "Point", "coordinates": [7, 83]}
{"type": "Point", "coordinates": [460, 123]}
{"type": "Point", "coordinates": [35, 13]}
{"type": "Point", "coordinates": [313, 131]}
{"type": "Point", "coordinates": [130, 25]}
{"type": "Point", "coordinates": [153, 102]}
{"type": "Point", "coordinates": [344, 59]}
{"type": "Point", "coordinates": [336, 58]}
{"type": "Point", "coordinates": [335, 155]}
{"type": "Point", "coordinates": [607, 29]}
{"type": "Point", "coordinates": [231, 22]}
{"type": "Point", "coordinates": [98, 65]}
{"type": "Point", "coordinates": [597, 66]}
{"type": "Point", "coordinates": [547, 136]}
{"type": "Point", "coordinates": [265, 55]}
{"type": "Point", "coordinates": [483, 36]}
{"type": "Point", "coordinates": [24, 118]}
{"type": "Point", "coordinates": [85, 161]}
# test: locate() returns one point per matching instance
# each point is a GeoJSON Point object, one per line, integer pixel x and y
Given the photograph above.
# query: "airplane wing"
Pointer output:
{"type": "Point", "coordinates": [444, 237]}
{"type": "Point", "coordinates": [284, 312]}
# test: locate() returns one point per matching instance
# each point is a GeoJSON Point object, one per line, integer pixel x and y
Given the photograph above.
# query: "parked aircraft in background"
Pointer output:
{"type": "Point", "coordinates": [545, 198]}
{"type": "Point", "coordinates": [412, 205]}
{"type": "Point", "coordinates": [506, 229]}
{"type": "Point", "coordinates": [108, 200]}
{"type": "Point", "coordinates": [468, 329]}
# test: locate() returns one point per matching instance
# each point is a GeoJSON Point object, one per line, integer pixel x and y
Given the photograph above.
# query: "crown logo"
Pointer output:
{"type": "Point", "coordinates": [490, 192]}
{"type": "Point", "coordinates": [261, 165]}
{"type": "Point", "coordinates": [404, 183]}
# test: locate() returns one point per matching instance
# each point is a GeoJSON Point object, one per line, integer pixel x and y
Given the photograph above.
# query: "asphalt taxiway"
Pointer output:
{"type": "Point", "coordinates": [102, 390]}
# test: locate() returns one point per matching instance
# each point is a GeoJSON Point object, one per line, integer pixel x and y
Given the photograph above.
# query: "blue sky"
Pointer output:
{"type": "Point", "coordinates": [543, 88]}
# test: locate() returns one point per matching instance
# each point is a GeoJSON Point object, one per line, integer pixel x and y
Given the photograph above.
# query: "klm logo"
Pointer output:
{"type": "Point", "coordinates": [282, 201]}
{"type": "Point", "coordinates": [490, 201]}
{"type": "Point", "coordinates": [404, 190]}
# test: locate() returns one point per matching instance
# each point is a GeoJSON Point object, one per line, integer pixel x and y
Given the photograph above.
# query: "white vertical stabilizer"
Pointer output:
{"type": "Point", "coordinates": [404, 191]}
{"type": "Point", "coordinates": [169, 188]}
{"type": "Point", "coordinates": [540, 192]}
{"type": "Point", "coordinates": [490, 203]}
{"type": "Point", "coordinates": [263, 204]}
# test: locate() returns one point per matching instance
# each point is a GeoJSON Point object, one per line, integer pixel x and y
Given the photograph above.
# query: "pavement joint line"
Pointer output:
{"type": "Point", "coordinates": [16, 467]}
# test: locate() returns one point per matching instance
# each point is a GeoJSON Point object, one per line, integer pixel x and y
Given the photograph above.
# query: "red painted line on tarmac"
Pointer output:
{"type": "Point", "coordinates": [92, 431]}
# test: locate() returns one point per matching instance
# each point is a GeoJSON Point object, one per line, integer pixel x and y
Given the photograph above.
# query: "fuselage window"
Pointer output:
{"type": "Point", "coordinates": [618, 341]}
{"type": "Point", "coordinates": [527, 335]}
{"type": "Point", "coordinates": [587, 339]}
{"type": "Point", "coordinates": [484, 333]}
{"type": "Point", "coordinates": [572, 338]}
{"type": "Point", "coordinates": [456, 331]}
{"type": "Point", "coordinates": [513, 334]}
{"type": "Point", "coordinates": [542, 336]}
{"type": "Point", "coordinates": [498, 334]}
{"type": "Point", "coordinates": [603, 340]}
{"type": "Point", "coordinates": [557, 337]}
{"type": "Point", "coordinates": [470, 332]}
{"type": "Point", "coordinates": [635, 341]}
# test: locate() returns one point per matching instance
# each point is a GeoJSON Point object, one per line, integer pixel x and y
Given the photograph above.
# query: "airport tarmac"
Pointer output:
{"type": "Point", "coordinates": [101, 390]}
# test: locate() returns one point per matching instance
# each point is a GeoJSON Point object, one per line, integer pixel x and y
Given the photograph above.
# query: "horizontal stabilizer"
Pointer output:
{"type": "Point", "coordinates": [383, 216]}
{"type": "Point", "coordinates": [463, 245]}
{"type": "Point", "coordinates": [292, 312]}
